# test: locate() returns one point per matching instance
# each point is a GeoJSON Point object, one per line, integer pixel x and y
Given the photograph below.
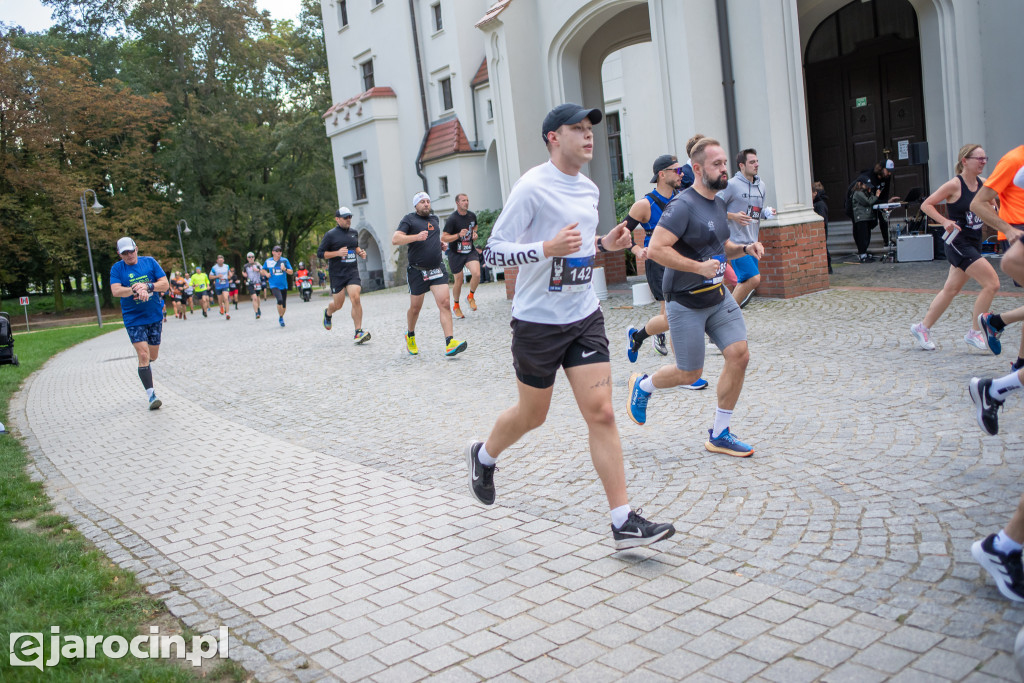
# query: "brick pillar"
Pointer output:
{"type": "Point", "coordinates": [641, 266]}
{"type": "Point", "coordinates": [614, 264]}
{"type": "Point", "coordinates": [510, 281]}
{"type": "Point", "coordinates": [794, 260]}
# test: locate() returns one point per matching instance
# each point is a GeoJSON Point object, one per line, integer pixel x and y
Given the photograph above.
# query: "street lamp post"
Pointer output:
{"type": "Point", "coordinates": [96, 207]}
{"type": "Point", "coordinates": [180, 244]}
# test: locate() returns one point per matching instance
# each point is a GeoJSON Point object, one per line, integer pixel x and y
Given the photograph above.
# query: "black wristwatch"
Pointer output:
{"type": "Point", "coordinates": [600, 245]}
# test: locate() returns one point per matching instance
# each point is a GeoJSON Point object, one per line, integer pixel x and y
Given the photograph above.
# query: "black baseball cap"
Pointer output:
{"type": "Point", "coordinates": [663, 162]}
{"type": "Point", "coordinates": [277, 247]}
{"type": "Point", "coordinates": [568, 113]}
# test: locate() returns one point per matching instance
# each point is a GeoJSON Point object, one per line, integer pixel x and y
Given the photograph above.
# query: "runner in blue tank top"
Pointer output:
{"type": "Point", "coordinates": [643, 217]}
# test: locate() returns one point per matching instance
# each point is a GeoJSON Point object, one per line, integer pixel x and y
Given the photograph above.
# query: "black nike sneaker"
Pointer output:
{"type": "Point", "coordinates": [987, 407]}
{"type": "Point", "coordinates": [638, 531]}
{"type": "Point", "coordinates": [481, 477]}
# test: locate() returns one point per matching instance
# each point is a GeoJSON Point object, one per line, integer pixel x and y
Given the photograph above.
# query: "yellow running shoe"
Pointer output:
{"type": "Point", "coordinates": [457, 311]}
{"type": "Point", "coordinates": [410, 344]}
{"type": "Point", "coordinates": [472, 301]}
{"type": "Point", "coordinates": [455, 347]}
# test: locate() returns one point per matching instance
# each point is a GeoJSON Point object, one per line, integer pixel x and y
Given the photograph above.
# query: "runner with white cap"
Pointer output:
{"type": "Point", "coordinates": [421, 231]}
{"type": "Point", "coordinates": [137, 281]}
{"type": "Point", "coordinates": [340, 246]}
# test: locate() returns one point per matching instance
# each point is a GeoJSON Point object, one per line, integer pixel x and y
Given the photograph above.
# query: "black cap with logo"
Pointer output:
{"type": "Point", "coordinates": [568, 113]}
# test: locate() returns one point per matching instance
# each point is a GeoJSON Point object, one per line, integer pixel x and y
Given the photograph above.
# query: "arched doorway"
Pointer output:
{"type": "Point", "coordinates": [576, 56]}
{"type": "Point", "coordinates": [862, 69]}
{"type": "Point", "coordinates": [371, 271]}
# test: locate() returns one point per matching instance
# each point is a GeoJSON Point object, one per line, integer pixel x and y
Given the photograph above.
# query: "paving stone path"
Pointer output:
{"type": "Point", "coordinates": [311, 495]}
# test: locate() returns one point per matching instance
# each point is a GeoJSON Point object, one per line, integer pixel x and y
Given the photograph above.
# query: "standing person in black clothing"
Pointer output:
{"type": "Point", "coordinates": [820, 202]}
{"type": "Point", "coordinates": [460, 228]}
{"type": "Point", "coordinates": [864, 200]}
{"type": "Point", "coordinates": [340, 246]}
{"type": "Point", "coordinates": [880, 179]}
{"type": "Point", "coordinates": [421, 231]}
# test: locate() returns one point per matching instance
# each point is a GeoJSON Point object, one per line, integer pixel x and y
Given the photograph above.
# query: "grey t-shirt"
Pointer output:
{"type": "Point", "coordinates": [702, 228]}
{"type": "Point", "coordinates": [743, 196]}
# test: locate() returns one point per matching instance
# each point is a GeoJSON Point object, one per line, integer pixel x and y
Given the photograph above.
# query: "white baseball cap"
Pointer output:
{"type": "Point", "coordinates": [419, 197]}
{"type": "Point", "coordinates": [126, 244]}
{"type": "Point", "coordinates": [889, 164]}
{"type": "Point", "coordinates": [343, 212]}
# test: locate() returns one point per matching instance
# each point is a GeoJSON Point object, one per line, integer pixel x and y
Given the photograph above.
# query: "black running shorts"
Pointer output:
{"type": "Point", "coordinates": [418, 285]}
{"type": "Point", "coordinates": [457, 261]}
{"type": "Point", "coordinates": [343, 280]}
{"type": "Point", "coordinates": [281, 295]}
{"type": "Point", "coordinates": [655, 274]}
{"type": "Point", "coordinates": [538, 350]}
{"type": "Point", "coordinates": [962, 254]}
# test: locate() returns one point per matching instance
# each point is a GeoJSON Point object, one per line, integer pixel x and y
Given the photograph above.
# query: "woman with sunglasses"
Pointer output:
{"type": "Point", "coordinates": [963, 239]}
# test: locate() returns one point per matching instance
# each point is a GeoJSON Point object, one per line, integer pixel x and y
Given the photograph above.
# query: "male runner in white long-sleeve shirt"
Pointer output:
{"type": "Point", "coordinates": [548, 228]}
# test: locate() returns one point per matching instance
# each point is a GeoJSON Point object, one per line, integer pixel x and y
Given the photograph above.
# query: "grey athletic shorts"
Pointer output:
{"type": "Point", "coordinates": [723, 323]}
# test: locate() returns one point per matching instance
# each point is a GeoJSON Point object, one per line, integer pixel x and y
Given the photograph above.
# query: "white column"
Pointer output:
{"type": "Point", "coordinates": [770, 102]}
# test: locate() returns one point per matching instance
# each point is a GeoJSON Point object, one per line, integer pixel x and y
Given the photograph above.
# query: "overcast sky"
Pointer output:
{"type": "Point", "coordinates": [33, 16]}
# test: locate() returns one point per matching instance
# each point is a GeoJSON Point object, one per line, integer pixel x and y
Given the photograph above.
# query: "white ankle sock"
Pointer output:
{"type": "Point", "coordinates": [1005, 544]}
{"type": "Point", "coordinates": [647, 384]}
{"type": "Point", "coordinates": [484, 458]}
{"type": "Point", "coordinates": [722, 418]}
{"type": "Point", "coordinates": [619, 516]}
{"type": "Point", "coordinates": [1004, 385]}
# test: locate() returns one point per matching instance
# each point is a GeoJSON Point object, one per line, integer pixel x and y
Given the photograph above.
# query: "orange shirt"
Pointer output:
{"type": "Point", "coordinates": [1011, 197]}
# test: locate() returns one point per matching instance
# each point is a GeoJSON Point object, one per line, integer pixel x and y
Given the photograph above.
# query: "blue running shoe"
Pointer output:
{"type": "Point", "coordinates": [631, 351]}
{"type": "Point", "coordinates": [698, 385]}
{"type": "Point", "coordinates": [991, 334]}
{"type": "Point", "coordinates": [728, 444]}
{"type": "Point", "coordinates": [637, 399]}
{"type": "Point", "coordinates": [327, 320]}
{"type": "Point", "coordinates": [280, 320]}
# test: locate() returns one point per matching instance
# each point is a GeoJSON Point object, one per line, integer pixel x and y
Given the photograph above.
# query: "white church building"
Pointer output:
{"type": "Point", "coordinates": [449, 95]}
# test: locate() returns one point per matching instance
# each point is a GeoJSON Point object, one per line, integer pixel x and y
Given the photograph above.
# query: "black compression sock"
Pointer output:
{"type": "Point", "coordinates": [448, 340]}
{"type": "Point", "coordinates": [1018, 364]}
{"type": "Point", "coordinates": [146, 375]}
{"type": "Point", "coordinates": [640, 335]}
{"type": "Point", "coordinates": [996, 321]}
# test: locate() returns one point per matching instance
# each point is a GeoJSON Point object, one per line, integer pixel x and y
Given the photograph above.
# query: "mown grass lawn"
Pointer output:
{"type": "Point", "coordinates": [50, 575]}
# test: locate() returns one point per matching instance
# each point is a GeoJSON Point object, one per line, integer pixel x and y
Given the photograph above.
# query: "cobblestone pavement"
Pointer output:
{"type": "Point", "coordinates": [311, 495]}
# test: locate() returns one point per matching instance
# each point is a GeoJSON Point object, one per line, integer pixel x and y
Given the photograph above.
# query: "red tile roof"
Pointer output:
{"type": "Point", "coordinates": [445, 139]}
{"type": "Point", "coordinates": [481, 75]}
{"type": "Point", "coordinates": [372, 92]}
{"type": "Point", "coordinates": [493, 12]}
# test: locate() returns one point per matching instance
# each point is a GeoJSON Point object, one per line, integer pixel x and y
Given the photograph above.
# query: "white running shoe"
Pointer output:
{"type": "Point", "coordinates": [976, 339]}
{"type": "Point", "coordinates": [924, 338]}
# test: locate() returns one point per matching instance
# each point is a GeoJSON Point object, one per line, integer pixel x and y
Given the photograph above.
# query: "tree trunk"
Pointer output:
{"type": "Point", "coordinates": [58, 293]}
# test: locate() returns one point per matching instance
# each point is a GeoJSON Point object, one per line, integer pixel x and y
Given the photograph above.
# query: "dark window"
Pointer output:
{"type": "Point", "coordinates": [446, 94]}
{"type": "Point", "coordinates": [490, 110]}
{"type": "Point", "coordinates": [343, 12]}
{"type": "Point", "coordinates": [367, 68]}
{"type": "Point", "coordinates": [443, 185]}
{"type": "Point", "coordinates": [438, 24]}
{"type": "Point", "coordinates": [378, 2]}
{"type": "Point", "coordinates": [614, 146]}
{"type": "Point", "coordinates": [359, 180]}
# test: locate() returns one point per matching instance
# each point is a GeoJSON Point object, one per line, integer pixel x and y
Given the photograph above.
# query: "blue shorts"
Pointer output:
{"type": "Point", "coordinates": [745, 268]}
{"type": "Point", "coordinates": [145, 333]}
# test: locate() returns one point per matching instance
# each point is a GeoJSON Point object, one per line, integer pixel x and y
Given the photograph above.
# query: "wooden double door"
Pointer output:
{"type": "Point", "coordinates": [858, 106]}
